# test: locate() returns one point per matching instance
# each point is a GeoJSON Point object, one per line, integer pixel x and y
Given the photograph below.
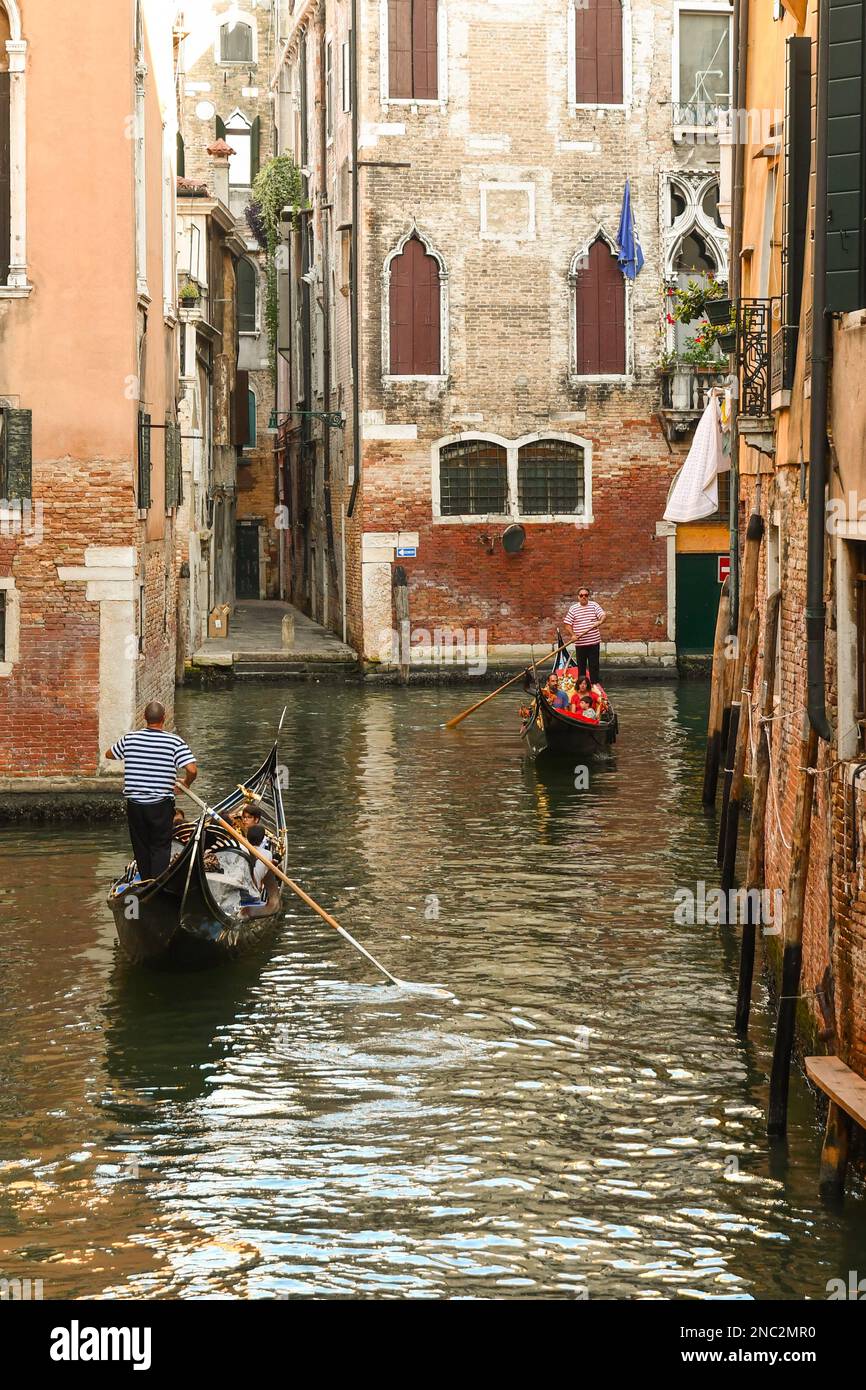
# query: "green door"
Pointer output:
{"type": "Point", "coordinates": [247, 559]}
{"type": "Point", "coordinates": [698, 590]}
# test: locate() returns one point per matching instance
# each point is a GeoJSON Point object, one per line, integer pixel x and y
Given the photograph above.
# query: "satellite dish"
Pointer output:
{"type": "Point", "coordinates": [513, 539]}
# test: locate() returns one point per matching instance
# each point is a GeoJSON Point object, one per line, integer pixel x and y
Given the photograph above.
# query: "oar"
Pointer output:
{"type": "Point", "coordinates": [458, 718]}
{"type": "Point", "coordinates": [296, 888]}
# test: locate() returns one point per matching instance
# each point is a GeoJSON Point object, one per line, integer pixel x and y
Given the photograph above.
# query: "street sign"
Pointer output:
{"type": "Point", "coordinates": [407, 552]}
{"type": "Point", "coordinates": [724, 567]}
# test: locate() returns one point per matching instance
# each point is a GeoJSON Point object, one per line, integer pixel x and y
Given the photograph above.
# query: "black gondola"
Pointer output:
{"type": "Point", "coordinates": [548, 728]}
{"type": "Point", "coordinates": [191, 916]}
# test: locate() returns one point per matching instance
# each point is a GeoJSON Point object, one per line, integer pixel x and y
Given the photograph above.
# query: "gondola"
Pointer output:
{"type": "Point", "coordinates": [191, 916]}
{"type": "Point", "coordinates": [547, 728]}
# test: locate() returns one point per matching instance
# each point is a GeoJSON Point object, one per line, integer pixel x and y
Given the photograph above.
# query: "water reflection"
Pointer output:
{"type": "Point", "coordinates": [582, 1116]}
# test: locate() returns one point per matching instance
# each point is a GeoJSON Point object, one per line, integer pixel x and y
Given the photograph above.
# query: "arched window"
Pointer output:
{"type": "Point", "coordinates": [247, 296]}
{"type": "Point", "coordinates": [598, 51]}
{"type": "Point", "coordinates": [599, 312]}
{"type": "Point", "coordinates": [550, 478]}
{"type": "Point", "coordinates": [238, 133]}
{"type": "Point", "coordinates": [473, 478]}
{"type": "Point", "coordinates": [236, 42]}
{"type": "Point", "coordinates": [415, 295]}
{"type": "Point", "coordinates": [13, 153]}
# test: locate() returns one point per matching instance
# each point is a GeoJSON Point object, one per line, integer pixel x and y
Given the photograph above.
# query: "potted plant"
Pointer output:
{"type": "Point", "coordinates": [189, 295]}
{"type": "Point", "coordinates": [691, 303]}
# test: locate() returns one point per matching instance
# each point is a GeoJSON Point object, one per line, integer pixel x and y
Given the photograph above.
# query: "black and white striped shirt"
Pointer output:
{"type": "Point", "coordinates": [152, 759]}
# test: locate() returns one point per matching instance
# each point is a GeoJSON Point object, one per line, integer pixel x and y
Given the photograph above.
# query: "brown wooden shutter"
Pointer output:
{"type": "Point", "coordinates": [255, 147]}
{"type": "Point", "coordinates": [600, 315]}
{"type": "Point", "coordinates": [425, 62]}
{"type": "Point", "coordinates": [400, 48]}
{"type": "Point", "coordinates": [414, 306]}
{"type": "Point", "coordinates": [5, 177]}
{"type": "Point", "coordinates": [598, 51]}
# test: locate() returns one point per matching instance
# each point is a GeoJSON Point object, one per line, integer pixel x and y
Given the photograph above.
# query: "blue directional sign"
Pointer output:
{"type": "Point", "coordinates": [407, 552]}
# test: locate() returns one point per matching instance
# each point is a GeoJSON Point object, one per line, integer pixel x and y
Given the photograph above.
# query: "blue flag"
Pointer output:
{"type": "Point", "coordinates": [630, 254]}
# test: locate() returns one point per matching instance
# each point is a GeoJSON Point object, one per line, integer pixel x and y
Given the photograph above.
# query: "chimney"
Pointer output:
{"type": "Point", "coordinates": [219, 152]}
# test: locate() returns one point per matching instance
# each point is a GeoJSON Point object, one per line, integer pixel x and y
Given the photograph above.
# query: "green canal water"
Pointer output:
{"type": "Point", "coordinates": [580, 1117]}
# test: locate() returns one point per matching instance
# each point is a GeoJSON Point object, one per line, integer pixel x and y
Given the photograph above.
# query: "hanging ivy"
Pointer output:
{"type": "Point", "coordinates": [277, 185]}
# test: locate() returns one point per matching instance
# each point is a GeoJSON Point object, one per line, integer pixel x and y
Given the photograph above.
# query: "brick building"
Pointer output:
{"type": "Point", "coordinates": [780, 286]}
{"type": "Point", "coordinates": [226, 60]}
{"type": "Point", "coordinates": [87, 380]}
{"type": "Point", "coordinates": [509, 379]}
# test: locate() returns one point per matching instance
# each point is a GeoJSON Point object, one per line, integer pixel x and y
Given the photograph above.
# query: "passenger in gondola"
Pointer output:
{"type": "Point", "coordinates": [264, 880]}
{"type": "Point", "coordinates": [556, 695]}
{"type": "Point", "coordinates": [588, 709]}
{"type": "Point", "coordinates": [251, 817]}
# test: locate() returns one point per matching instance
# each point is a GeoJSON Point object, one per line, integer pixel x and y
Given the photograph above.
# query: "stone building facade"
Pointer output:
{"type": "Point", "coordinates": [494, 145]}
{"type": "Point", "coordinates": [227, 58]}
{"type": "Point", "coordinates": [778, 225]}
{"type": "Point", "coordinates": [88, 366]}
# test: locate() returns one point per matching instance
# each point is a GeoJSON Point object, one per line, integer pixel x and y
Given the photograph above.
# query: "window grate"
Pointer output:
{"type": "Point", "coordinates": [473, 479]}
{"type": "Point", "coordinates": [550, 478]}
{"type": "Point", "coordinates": [2, 624]}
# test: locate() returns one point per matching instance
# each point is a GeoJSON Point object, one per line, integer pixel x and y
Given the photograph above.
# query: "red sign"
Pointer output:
{"type": "Point", "coordinates": [724, 567]}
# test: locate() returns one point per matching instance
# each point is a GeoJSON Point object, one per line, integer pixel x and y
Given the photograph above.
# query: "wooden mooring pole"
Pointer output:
{"type": "Point", "coordinates": [717, 698]}
{"type": "Point", "coordinates": [777, 1114]}
{"type": "Point", "coordinates": [754, 534]}
{"type": "Point", "coordinates": [755, 871]}
{"type": "Point", "coordinates": [732, 821]}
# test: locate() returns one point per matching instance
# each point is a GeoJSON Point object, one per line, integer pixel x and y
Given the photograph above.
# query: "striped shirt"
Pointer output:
{"type": "Point", "coordinates": [152, 759]}
{"type": "Point", "coordinates": [583, 619]}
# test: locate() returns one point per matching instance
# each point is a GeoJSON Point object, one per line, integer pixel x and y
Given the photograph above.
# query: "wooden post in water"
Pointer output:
{"type": "Point", "coordinates": [717, 698]}
{"type": "Point", "coordinates": [732, 821]}
{"type": "Point", "coordinates": [760, 787]}
{"type": "Point", "coordinates": [792, 959]}
{"type": "Point", "coordinates": [752, 555]}
{"type": "Point", "coordinates": [401, 612]}
{"type": "Point", "coordinates": [834, 1153]}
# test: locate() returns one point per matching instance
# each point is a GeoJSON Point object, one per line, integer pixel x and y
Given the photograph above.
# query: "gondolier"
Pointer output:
{"type": "Point", "coordinates": [152, 760]}
{"type": "Point", "coordinates": [585, 619]}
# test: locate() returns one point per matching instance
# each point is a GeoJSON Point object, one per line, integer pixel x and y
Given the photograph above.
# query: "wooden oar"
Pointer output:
{"type": "Point", "coordinates": [311, 902]}
{"type": "Point", "coordinates": [458, 718]}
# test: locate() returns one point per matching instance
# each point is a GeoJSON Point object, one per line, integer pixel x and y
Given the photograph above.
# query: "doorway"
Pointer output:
{"type": "Point", "coordinates": [247, 559]}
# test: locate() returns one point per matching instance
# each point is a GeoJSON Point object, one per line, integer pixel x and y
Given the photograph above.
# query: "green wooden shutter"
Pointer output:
{"type": "Point", "coordinates": [143, 460]}
{"type": "Point", "coordinates": [795, 198]}
{"type": "Point", "coordinates": [220, 128]}
{"type": "Point", "coordinates": [845, 154]}
{"type": "Point", "coordinates": [255, 147]}
{"type": "Point", "coordinates": [18, 444]}
{"type": "Point", "coordinates": [172, 466]}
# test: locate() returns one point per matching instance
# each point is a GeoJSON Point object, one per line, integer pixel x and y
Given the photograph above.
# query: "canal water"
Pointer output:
{"type": "Point", "coordinates": [578, 1120]}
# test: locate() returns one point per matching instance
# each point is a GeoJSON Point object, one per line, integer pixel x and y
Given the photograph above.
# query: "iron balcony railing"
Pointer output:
{"type": "Point", "coordinates": [755, 356]}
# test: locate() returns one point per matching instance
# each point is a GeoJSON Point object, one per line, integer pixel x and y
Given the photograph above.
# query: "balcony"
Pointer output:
{"type": "Point", "coordinates": [699, 122]}
{"type": "Point", "coordinates": [685, 390]}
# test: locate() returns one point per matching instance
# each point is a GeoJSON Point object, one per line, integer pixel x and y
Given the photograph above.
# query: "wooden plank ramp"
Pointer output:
{"type": "Point", "coordinates": [847, 1092]}
{"type": "Point", "coordinates": [841, 1084]}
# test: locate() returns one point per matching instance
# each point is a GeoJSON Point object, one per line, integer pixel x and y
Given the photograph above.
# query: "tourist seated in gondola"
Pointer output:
{"type": "Point", "coordinates": [251, 817]}
{"type": "Point", "coordinates": [263, 879]}
{"type": "Point", "coordinates": [555, 694]}
{"type": "Point", "coordinates": [587, 708]}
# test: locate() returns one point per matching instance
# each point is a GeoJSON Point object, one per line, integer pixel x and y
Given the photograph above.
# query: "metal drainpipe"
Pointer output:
{"type": "Point", "coordinates": [741, 29]}
{"type": "Point", "coordinates": [815, 606]}
{"type": "Point", "coordinates": [353, 272]}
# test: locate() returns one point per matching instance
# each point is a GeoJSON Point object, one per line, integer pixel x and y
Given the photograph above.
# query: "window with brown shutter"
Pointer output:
{"type": "Point", "coordinates": [598, 52]}
{"type": "Point", "coordinates": [600, 314]}
{"type": "Point", "coordinates": [414, 313]}
{"type": "Point", "coordinates": [413, 50]}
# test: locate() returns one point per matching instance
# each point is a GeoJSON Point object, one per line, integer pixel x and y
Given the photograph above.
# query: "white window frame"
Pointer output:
{"type": "Point", "coordinates": [571, 63]}
{"type": "Point", "coordinates": [512, 449]}
{"type": "Point", "coordinates": [697, 7]}
{"type": "Point", "coordinates": [441, 61]}
{"type": "Point", "coordinates": [330, 91]}
{"type": "Point", "coordinates": [17, 285]}
{"type": "Point", "coordinates": [346, 74]}
{"type": "Point", "coordinates": [233, 17]}
{"type": "Point", "coordinates": [601, 378]}
{"type": "Point", "coordinates": [442, 375]}
{"type": "Point", "coordinates": [253, 332]}
{"type": "Point", "coordinates": [238, 114]}
{"type": "Point", "coordinates": [13, 625]}
{"type": "Point", "coordinates": [488, 186]}
{"type": "Point", "coordinates": [251, 391]}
